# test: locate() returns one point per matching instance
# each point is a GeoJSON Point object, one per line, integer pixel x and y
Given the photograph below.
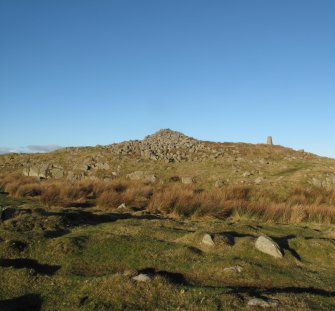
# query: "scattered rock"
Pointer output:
{"type": "Point", "coordinates": [187, 180]}
{"type": "Point", "coordinates": [219, 184]}
{"type": "Point", "coordinates": [263, 303]}
{"type": "Point", "coordinates": [207, 240]}
{"type": "Point", "coordinates": [268, 246]}
{"type": "Point", "coordinates": [142, 277]}
{"type": "Point", "coordinates": [247, 174]}
{"type": "Point", "coordinates": [259, 180]}
{"type": "Point", "coordinates": [122, 206]}
{"type": "Point", "coordinates": [140, 175]}
{"type": "Point", "coordinates": [237, 269]}
{"type": "Point", "coordinates": [102, 166]}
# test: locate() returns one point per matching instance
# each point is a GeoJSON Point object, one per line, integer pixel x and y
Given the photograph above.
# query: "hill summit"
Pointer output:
{"type": "Point", "coordinates": [168, 154]}
{"type": "Point", "coordinates": [165, 144]}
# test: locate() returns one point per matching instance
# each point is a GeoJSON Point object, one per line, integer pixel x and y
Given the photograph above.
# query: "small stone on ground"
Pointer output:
{"type": "Point", "coordinates": [142, 277]}
{"type": "Point", "coordinates": [207, 240]}
{"type": "Point", "coordinates": [237, 269]}
{"type": "Point", "coordinates": [263, 303]}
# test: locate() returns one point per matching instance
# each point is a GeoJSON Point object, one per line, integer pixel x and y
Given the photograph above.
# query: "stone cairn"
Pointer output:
{"type": "Point", "coordinates": [269, 141]}
{"type": "Point", "coordinates": [165, 144]}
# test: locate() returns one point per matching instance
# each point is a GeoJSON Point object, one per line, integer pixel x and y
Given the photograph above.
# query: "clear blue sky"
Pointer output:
{"type": "Point", "coordinates": [96, 72]}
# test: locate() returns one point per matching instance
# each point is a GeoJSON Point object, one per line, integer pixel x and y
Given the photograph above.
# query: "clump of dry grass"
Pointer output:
{"type": "Point", "coordinates": [13, 182]}
{"type": "Point", "coordinates": [51, 195]}
{"type": "Point", "coordinates": [29, 190]}
{"type": "Point", "coordinates": [180, 199]}
{"type": "Point", "coordinates": [133, 193]}
{"type": "Point", "coordinates": [110, 199]}
{"type": "Point", "coordinates": [296, 205]}
{"type": "Point", "coordinates": [187, 200]}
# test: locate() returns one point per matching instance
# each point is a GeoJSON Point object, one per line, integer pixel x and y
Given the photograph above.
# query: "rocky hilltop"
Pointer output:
{"type": "Point", "coordinates": [166, 145]}
{"type": "Point", "coordinates": [169, 155]}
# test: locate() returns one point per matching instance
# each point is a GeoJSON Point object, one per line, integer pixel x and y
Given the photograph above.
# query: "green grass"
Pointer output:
{"type": "Point", "coordinates": [95, 256]}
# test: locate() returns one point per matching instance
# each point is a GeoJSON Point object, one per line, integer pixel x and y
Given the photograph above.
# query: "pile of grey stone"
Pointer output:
{"type": "Point", "coordinates": [167, 145]}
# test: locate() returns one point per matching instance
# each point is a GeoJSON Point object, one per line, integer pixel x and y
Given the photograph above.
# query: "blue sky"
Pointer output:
{"type": "Point", "coordinates": [97, 72]}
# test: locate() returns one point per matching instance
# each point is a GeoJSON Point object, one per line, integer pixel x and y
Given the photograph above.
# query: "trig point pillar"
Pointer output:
{"type": "Point", "coordinates": [269, 140]}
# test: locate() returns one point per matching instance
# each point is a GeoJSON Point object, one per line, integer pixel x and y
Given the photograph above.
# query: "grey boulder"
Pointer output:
{"type": "Point", "coordinates": [268, 246]}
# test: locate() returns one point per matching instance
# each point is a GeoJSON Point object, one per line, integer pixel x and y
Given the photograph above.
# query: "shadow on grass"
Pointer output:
{"type": "Point", "coordinates": [29, 264]}
{"type": "Point", "coordinates": [235, 234]}
{"type": "Point", "coordinates": [258, 292]}
{"type": "Point", "coordinates": [172, 277]}
{"type": "Point", "coordinates": [79, 218]}
{"type": "Point", "coordinates": [55, 233]}
{"type": "Point", "coordinates": [283, 243]}
{"type": "Point", "coordinates": [12, 212]}
{"type": "Point", "coordinates": [30, 302]}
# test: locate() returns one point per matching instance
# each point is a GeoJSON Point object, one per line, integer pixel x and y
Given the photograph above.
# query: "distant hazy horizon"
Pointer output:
{"type": "Point", "coordinates": [82, 73]}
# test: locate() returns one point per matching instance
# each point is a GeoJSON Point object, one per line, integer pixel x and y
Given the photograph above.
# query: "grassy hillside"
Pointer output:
{"type": "Point", "coordinates": [85, 259]}
{"type": "Point", "coordinates": [80, 226]}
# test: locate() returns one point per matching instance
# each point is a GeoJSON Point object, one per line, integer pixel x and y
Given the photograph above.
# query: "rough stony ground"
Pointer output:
{"type": "Point", "coordinates": [167, 154]}
{"type": "Point", "coordinates": [88, 259]}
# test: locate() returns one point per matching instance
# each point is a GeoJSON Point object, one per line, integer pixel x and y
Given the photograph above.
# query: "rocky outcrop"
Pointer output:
{"type": "Point", "coordinates": [44, 170]}
{"type": "Point", "coordinates": [56, 172]}
{"type": "Point", "coordinates": [327, 182]}
{"type": "Point", "coordinates": [39, 170]}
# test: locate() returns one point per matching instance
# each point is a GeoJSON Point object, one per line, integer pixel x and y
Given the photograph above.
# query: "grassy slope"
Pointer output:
{"type": "Point", "coordinates": [90, 256]}
{"type": "Point", "coordinates": [279, 166]}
